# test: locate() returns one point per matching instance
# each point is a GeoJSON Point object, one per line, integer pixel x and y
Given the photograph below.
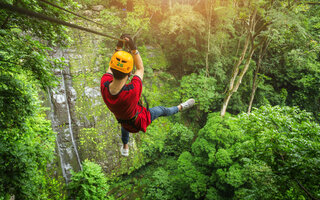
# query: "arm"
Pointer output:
{"type": "Point", "coordinates": [109, 70]}
{"type": "Point", "coordinates": [136, 56]}
{"type": "Point", "coordinates": [139, 64]}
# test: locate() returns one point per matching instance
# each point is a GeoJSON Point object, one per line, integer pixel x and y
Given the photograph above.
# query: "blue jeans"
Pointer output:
{"type": "Point", "coordinates": [155, 112]}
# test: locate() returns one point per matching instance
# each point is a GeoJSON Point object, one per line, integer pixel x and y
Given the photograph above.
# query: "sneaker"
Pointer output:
{"type": "Point", "coordinates": [188, 104]}
{"type": "Point", "coordinates": [124, 152]}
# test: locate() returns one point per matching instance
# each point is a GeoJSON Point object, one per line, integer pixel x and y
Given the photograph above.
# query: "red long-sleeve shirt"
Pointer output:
{"type": "Point", "coordinates": [124, 105]}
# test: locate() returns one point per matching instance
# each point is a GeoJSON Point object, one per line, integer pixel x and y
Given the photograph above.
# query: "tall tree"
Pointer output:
{"type": "Point", "coordinates": [257, 20]}
{"type": "Point", "coordinates": [253, 24]}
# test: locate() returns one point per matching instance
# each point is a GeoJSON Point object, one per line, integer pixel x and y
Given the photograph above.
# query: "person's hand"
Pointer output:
{"type": "Point", "coordinates": [120, 43]}
{"type": "Point", "coordinates": [130, 42]}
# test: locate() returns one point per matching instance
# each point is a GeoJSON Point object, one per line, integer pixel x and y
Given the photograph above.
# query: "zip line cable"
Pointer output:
{"type": "Point", "coordinates": [51, 19]}
{"type": "Point", "coordinates": [54, 5]}
{"type": "Point", "coordinates": [135, 35]}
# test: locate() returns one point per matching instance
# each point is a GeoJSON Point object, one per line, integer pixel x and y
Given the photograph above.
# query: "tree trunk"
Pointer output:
{"type": "Point", "coordinates": [208, 38]}
{"type": "Point", "coordinates": [236, 79]}
{"type": "Point", "coordinates": [254, 88]}
{"type": "Point", "coordinates": [233, 77]}
{"type": "Point", "coordinates": [245, 69]}
{"type": "Point", "coordinates": [235, 87]}
{"type": "Point", "coordinates": [225, 104]}
{"type": "Point", "coordinates": [255, 78]}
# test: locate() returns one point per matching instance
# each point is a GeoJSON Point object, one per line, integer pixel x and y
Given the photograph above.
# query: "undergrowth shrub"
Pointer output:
{"type": "Point", "coordinates": [88, 184]}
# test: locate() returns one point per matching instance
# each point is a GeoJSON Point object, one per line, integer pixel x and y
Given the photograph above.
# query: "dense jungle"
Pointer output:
{"type": "Point", "coordinates": [252, 66]}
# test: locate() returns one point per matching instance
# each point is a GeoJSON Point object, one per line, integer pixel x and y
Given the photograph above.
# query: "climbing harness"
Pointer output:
{"type": "Point", "coordinates": [51, 19]}
{"type": "Point", "coordinates": [145, 100]}
{"type": "Point", "coordinates": [131, 121]}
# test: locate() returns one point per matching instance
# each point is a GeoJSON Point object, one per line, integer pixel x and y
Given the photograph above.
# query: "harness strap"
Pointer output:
{"type": "Point", "coordinates": [133, 119]}
{"type": "Point", "coordinates": [130, 121]}
{"type": "Point", "coordinates": [145, 100]}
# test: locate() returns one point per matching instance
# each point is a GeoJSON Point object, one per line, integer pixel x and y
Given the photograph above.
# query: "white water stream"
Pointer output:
{"type": "Point", "coordinates": [70, 122]}
{"type": "Point", "coordinates": [62, 163]}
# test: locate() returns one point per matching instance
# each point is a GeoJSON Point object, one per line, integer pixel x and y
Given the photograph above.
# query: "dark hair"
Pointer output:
{"type": "Point", "coordinates": [118, 75]}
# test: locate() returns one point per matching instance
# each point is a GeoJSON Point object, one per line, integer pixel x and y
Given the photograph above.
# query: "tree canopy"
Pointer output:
{"type": "Point", "coordinates": [253, 67]}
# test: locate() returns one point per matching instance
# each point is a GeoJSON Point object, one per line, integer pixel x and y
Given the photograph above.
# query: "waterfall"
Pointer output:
{"type": "Point", "coordinates": [69, 120]}
{"type": "Point", "coordinates": [63, 166]}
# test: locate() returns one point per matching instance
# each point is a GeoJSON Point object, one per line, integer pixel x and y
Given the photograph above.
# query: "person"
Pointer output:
{"type": "Point", "coordinates": [122, 99]}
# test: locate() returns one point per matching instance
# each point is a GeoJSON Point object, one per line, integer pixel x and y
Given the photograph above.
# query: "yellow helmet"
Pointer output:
{"type": "Point", "coordinates": [122, 61]}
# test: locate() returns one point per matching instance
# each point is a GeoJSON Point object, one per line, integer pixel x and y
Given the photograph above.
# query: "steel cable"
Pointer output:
{"type": "Point", "coordinates": [51, 19]}
{"type": "Point", "coordinates": [54, 5]}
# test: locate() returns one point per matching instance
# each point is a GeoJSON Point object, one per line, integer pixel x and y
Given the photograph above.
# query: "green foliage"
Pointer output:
{"type": "Point", "coordinates": [201, 88]}
{"type": "Point", "coordinates": [130, 19]}
{"type": "Point", "coordinates": [27, 140]}
{"type": "Point", "coordinates": [160, 186]}
{"type": "Point", "coordinates": [191, 176]}
{"type": "Point", "coordinates": [268, 155]}
{"type": "Point", "coordinates": [153, 143]}
{"type": "Point", "coordinates": [182, 31]}
{"type": "Point", "coordinates": [22, 54]}
{"type": "Point", "coordinates": [178, 139]}
{"type": "Point", "coordinates": [292, 62]}
{"type": "Point", "coordinates": [52, 33]}
{"type": "Point", "coordinates": [164, 137]}
{"type": "Point", "coordinates": [15, 103]}
{"type": "Point", "coordinates": [90, 183]}
{"type": "Point", "coordinates": [26, 144]}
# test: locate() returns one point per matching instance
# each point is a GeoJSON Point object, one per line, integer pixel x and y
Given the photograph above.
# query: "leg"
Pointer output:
{"type": "Point", "coordinates": [124, 136]}
{"type": "Point", "coordinates": [160, 111]}
{"type": "Point", "coordinates": [125, 139]}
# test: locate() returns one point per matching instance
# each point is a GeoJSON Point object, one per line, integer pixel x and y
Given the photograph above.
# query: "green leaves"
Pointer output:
{"type": "Point", "coordinates": [191, 175]}
{"type": "Point", "coordinates": [23, 55]}
{"type": "Point", "coordinates": [26, 137]}
{"type": "Point", "coordinates": [15, 103]}
{"type": "Point", "coordinates": [204, 90]}
{"type": "Point", "coordinates": [178, 139]}
{"type": "Point", "coordinates": [183, 33]}
{"type": "Point", "coordinates": [26, 142]}
{"type": "Point", "coordinates": [222, 158]}
{"type": "Point", "coordinates": [160, 186]}
{"type": "Point", "coordinates": [242, 156]}
{"type": "Point", "coordinates": [90, 183]}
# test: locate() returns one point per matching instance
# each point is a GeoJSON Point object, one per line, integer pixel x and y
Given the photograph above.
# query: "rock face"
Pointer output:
{"type": "Point", "coordinates": [62, 99]}
{"type": "Point", "coordinates": [87, 13]}
{"type": "Point", "coordinates": [97, 8]}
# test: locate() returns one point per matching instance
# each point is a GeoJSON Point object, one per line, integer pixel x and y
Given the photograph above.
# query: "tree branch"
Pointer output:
{"type": "Point", "coordinates": [312, 3]}
{"type": "Point", "coordinates": [305, 190]}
